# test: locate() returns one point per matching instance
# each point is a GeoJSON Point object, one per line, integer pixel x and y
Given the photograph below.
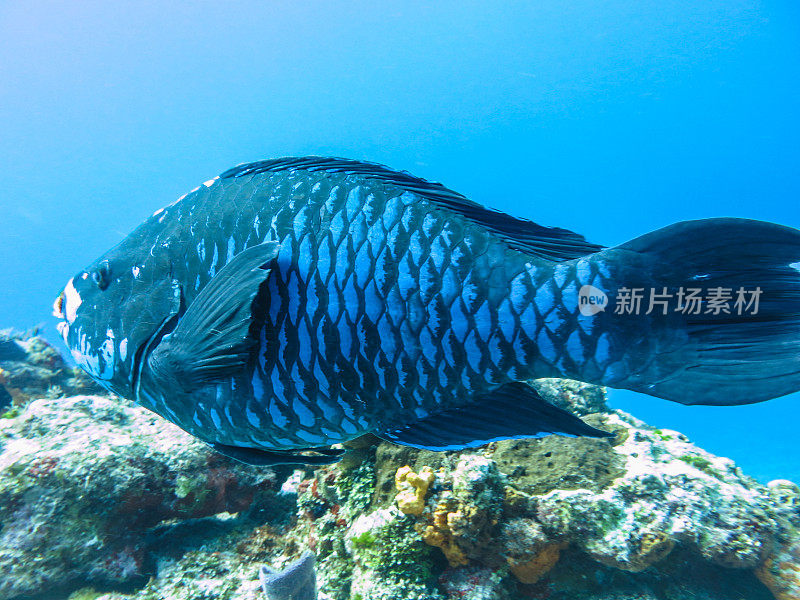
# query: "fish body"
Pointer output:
{"type": "Point", "coordinates": [296, 303]}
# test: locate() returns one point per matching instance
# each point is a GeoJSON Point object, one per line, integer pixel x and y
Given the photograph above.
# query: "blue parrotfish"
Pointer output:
{"type": "Point", "coordinates": [293, 304]}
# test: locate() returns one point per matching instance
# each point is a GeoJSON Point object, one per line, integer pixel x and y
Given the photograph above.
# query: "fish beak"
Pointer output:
{"type": "Point", "coordinates": [58, 306]}
{"type": "Point", "coordinates": [58, 312]}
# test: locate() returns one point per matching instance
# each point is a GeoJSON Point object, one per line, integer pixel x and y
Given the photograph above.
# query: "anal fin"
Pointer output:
{"type": "Point", "coordinates": [263, 458]}
{"type": "Point", "coordinates": [514, 410]}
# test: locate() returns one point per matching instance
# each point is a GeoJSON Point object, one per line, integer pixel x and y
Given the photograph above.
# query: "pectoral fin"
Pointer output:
{"type": "Point", "coordinates": [512, 411]}
{"type": "Point", "coordinates": [214, 337]}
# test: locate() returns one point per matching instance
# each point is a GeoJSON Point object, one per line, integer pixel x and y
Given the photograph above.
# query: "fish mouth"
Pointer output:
{"type": "Point", "coordinates": [58, 307]}
{"type": "Point", "coordinates": [58, 312]}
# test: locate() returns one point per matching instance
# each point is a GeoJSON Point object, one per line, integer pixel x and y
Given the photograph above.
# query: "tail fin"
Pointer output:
{"type": "Point", "coordinates": [731, 352]}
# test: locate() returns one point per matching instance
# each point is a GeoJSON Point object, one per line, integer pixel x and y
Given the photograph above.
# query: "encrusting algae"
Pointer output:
{"type": "Point", "coordinates": [537, 567]}
{"type": "Point", "coordinates": [654, 547]}
{"type": "Point", "coordinates": [781, 573]}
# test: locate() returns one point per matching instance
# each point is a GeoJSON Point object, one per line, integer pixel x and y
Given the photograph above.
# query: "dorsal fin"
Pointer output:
{"type": "Point", "coordinates": [552, 243]}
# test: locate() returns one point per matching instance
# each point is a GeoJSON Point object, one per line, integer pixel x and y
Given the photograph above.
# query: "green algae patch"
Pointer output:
{"type": "Point", "coordinates": [11, 413]}
{"type": "Point", "coordinates": [396, 551]}
{"type": "Point", "coordinates": [664, 437]}
{"type": "Point", "coordinates": [701, 463]}
{"type": "Point", "coordinates": [365, 540]}
{"type": "Point", "coordinates": [391, 560]}
{"type": "Point", "coordinates": [86, 593]}
{"type": "Point", "coordinates": [357, 485]}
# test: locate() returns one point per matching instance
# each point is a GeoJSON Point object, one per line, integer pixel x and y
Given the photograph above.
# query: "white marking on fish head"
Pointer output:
{"type": "Point", "coordinates": [107, 353]}
{"type": "Point", "coordinates": [99, 361]}
{"type": "Point", "coordinates": [72, 301]}
{"type": "Point", "coordinates": [63, 330]}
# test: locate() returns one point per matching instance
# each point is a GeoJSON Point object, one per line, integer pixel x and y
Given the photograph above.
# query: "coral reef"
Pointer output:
{"type": "Point", "coordinates": [84, 480]}
{"type": "Point", "coordinates": [31, 368]}
{"type": "Point", "coordinates": [465, 512]}
{"type": "Point", "coordinates": [681, 576]}
{"type": "Point", "coordinates": [781, 571]}
{"type": "Point", "coordinates": [102, 500]}
{"type": "Point", "coordinates": [662, 499]}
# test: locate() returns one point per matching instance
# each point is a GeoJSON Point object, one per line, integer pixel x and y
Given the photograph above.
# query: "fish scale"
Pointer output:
{"type": "Point", "coordinates": [392, 372]}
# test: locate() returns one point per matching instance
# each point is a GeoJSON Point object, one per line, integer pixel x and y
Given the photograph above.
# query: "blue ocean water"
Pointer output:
{"type": "Point", "coordinates": [611, 119]}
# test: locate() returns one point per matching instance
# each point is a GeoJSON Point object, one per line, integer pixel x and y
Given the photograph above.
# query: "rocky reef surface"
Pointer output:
{"type": "Point", "coordinates": [100, 498]}
{"type": "Point", "coordinates": [32, 368]}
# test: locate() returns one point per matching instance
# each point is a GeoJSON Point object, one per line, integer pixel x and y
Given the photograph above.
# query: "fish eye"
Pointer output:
{"type": "Point", "coordinates": [102, 276]}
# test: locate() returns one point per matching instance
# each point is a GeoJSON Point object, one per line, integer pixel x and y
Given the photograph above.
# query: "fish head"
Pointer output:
{"type": "Point", "coordinates": [116, 310]}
